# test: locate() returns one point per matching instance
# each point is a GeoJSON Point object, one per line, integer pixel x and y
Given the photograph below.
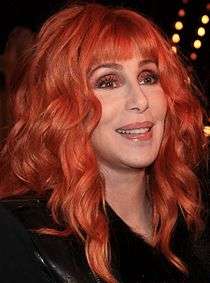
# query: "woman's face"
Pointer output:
{"type": "Point", "coordinates": [134, 107]}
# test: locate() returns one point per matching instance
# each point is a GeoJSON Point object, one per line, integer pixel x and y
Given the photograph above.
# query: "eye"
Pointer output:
{"type": "Point", "coordinates": [108, 82]}
{"type": "Point", "coordinates": [148, 77]}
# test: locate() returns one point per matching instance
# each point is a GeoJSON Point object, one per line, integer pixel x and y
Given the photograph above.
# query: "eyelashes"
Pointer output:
{"type": "Point", "coordinates": [108, 81]}
{"type": "Point", "coordinates": [148, 77]}
{"type": "Point", "coordinates": [111, 81]}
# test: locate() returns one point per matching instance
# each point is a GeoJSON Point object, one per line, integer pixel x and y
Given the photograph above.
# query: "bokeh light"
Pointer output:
{"type": "Point", "coordinates": [181, 12]}
{"type": "Point", "coordinates": [179, 25]}
{"type": "Point", "coordinates": [174, 49]}
{"type": "Point", "coordinates": [193, 56]}
{"type": "Point", "coordinates": [205, 19]}
{"type": "Point", "coordinates": [197, 44]}
{"type": "Point", "coordinates": [207, 131]}
{"type": "Point", "coordinates": [175, 38]}
{"type": "Point", "coordinates": [201, 31]}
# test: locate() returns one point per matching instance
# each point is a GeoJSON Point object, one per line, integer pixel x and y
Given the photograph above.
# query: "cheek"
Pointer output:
{"type": "Point", "coordinates": [158, 106]}
{"type": "Point", "coordinates": [110, 107]}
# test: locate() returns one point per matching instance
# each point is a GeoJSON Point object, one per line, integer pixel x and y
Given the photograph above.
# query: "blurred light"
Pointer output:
{"type": "Point", "coordinates": [208, 6]}
{"type": "Point", "coordinates": [174, 49]}
{"type": "Point", "coordinates": [193, 56]}
{"type": "Point", "coordinates": [181, 12]}
{"type": "Point", "coordinates": [205, 19]}
{"type": "Point", "coordinates": [207, 130]}
{"type": "Point", "coordinates": [185, 1]}
{"type": "Point", "coordinates": [197, 43]}
{"type": "Point", "coordinates": [201, 31]}
{"type": "Point", "coordinates": [175, 38]}
{"type": "Point", "coordinates": [178, 25]}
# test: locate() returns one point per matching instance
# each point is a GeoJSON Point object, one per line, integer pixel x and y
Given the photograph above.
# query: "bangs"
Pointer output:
{"type": "Point", "coordinates": [122, 40]}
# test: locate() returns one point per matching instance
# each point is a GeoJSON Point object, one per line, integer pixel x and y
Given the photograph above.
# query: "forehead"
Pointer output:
{"type": "Point", "coordinates": [135, 61]}
{"type": "Point", "coordinates": [114, 42]}
{"type": "Point", "coordinates": [118, 57]}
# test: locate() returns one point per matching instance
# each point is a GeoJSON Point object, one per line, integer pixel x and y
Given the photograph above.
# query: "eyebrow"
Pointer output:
{"type": "Point", "coordinates": [147, 61]}
{"type": "Point", "coordinates": [118, 67]}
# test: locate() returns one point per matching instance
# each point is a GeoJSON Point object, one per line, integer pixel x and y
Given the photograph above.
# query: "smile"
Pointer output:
{"type": "Point", "coordinates": [133, 131]}
{"type": "Point", "coordinates": [138, 134]}
{"type": "Point", "coordinates": [138, 131]}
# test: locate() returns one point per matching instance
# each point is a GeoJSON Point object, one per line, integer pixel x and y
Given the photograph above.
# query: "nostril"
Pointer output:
{"type": "Point", "coordinates": [135, 108]}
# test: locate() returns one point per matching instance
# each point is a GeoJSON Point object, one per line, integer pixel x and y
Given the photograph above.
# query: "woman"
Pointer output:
{"type": "Point", "coordinates": [108, 137]}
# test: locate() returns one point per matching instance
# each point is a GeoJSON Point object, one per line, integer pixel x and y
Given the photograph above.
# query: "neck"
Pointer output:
{"type": "Point", "coordinates": [126, 194]}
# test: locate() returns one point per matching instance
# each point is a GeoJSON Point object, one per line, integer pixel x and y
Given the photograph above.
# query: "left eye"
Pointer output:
{"type": "Point", "coordinates": [148, 78]}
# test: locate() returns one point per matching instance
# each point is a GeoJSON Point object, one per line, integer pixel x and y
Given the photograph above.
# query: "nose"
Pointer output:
{"type": "Point", "coordinates": [137, 100]}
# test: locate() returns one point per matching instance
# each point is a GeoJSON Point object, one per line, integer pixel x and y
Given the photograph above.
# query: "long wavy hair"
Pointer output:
{"type": "Point", "coordinates": [48, 150]}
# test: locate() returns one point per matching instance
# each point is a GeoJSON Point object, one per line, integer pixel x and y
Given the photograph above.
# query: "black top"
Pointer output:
{"type": "Point", "coordinates": [137, 261]}
{"type": "Point", "coordinates": [17, 261]}
{"type": "Point", "coordinates": [28, 257]}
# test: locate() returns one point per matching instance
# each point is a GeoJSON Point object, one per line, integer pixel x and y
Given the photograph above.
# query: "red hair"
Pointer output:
{"type": "Point", "coordinates": [56, 112]}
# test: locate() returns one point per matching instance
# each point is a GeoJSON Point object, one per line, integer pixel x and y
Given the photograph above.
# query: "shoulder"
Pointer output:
{"type": "Point", "coordinates": [63, 258]}
{"type": "Point", "coordinates": [17, 260]}
{"type": "Point", "coordinates": [12, 231]}
{"type": "Point", "coordinates": [29, 212]}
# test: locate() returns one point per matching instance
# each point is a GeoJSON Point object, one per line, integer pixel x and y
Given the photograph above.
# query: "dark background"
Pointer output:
{"type": "Point", "coordinates": [164, 13]}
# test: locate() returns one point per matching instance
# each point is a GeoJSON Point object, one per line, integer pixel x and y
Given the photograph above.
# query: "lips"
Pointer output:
{"type": "Point", "coordinates": [136, 131]}
{"type": "Point", "coordinates": [137, 125]}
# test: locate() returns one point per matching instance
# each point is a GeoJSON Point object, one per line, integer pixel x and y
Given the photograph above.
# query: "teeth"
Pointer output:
{"type": "Point", "coordinates": [133, 131]}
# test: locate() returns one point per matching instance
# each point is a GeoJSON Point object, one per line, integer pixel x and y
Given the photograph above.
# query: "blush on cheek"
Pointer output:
{"type": "Point", "coordinates": [159, 109]}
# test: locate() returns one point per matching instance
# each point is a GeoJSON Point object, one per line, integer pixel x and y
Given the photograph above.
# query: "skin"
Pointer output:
{"type": "Point", "coordinates": [129, 91]}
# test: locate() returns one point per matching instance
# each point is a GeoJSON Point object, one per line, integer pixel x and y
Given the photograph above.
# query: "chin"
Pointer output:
{"type": "Point", "coordinates": [139, 164]}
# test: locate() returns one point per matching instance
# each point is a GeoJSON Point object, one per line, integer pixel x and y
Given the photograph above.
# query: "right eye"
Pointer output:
{"type": "Point", "coordinates": [108, 82]}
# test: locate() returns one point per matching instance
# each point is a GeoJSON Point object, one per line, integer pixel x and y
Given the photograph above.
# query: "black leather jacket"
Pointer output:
{"type": "Point", "coordinates": [133, 260]}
